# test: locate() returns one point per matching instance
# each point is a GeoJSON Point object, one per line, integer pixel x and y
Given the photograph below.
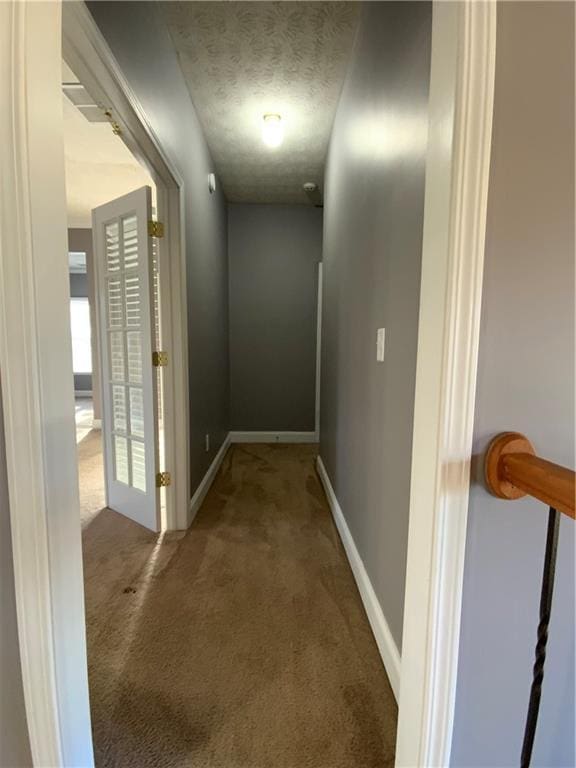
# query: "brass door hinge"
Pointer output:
{"type": "Point", "coordinates": [155, 229]}
{"type": "Point", "coordinates": [159, 359]}
{"type": "Point", "coordinates": [163, 479]}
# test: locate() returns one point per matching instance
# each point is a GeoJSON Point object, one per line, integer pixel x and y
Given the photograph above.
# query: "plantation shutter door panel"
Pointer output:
{"type": "Point", "coordinates": [126, 318]}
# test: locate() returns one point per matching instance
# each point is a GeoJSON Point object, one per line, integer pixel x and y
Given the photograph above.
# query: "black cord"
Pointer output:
{"type": "Point", "coordinates": [545, 608]}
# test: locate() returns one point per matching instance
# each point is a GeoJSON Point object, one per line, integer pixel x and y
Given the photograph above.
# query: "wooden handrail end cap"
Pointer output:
{"type": "Point", "coordinates": [502, 444]}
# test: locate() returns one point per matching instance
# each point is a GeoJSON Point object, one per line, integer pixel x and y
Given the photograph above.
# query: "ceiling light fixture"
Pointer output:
{"type": "Point", "coordinates": [272, 130]}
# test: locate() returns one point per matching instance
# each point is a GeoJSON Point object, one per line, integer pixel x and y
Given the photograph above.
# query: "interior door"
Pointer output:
{"type": "Point", "coordinates": [123, 259]}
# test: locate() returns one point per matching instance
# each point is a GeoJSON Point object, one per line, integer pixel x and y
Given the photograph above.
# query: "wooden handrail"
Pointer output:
{"type": "Point", "coordinates": [513, 470]}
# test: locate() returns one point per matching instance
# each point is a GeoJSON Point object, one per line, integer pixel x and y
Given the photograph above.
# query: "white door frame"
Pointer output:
{"type": "Point", "coordinates": [36, 356]}
{"type": "Point", "coordinates": [92, 61]}
{"type": "Point", "coordinates": [38, 389]}
{"type": "Point", "coordinates": [36, 362]}
{"type": "Point", "coordinates": [456, 193]}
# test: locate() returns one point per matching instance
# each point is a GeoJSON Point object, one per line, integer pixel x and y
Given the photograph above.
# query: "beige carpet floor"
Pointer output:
{"type": "Point", "coordinates": [241, 643]}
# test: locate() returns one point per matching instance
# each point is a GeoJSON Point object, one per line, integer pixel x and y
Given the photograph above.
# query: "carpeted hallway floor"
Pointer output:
{"type": "Point", "coordinates": [241, 643]}
{"type": "Point", "coordinates": [91, 470]}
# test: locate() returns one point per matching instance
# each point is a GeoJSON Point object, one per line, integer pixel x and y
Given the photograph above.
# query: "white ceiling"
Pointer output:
{"type": "Point", "coordinates": [99, 166]}
{"type": "Point", "coordinates": [244, 59]}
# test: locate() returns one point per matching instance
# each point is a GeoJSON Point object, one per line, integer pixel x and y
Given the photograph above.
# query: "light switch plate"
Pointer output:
{"type": "Point", "coordinates": [380, 344]}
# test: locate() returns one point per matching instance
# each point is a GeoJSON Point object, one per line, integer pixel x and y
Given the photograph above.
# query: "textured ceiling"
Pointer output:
{"type": "Point", "coordinates": [244, 59]}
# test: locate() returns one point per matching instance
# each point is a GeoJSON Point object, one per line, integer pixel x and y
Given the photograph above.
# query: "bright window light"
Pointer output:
{"type": "Point", "coordinates": [81, 336]}
{"type": "Point", "coordinates": [272, 131]}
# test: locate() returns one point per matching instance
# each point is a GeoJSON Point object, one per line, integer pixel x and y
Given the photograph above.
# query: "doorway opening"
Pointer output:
{"type": "Point", "coordinates": [99, 168]}
{"type": "Point", "coordinates": [60, 614]}
{"type": "Point", "coordinates": [86, 390]}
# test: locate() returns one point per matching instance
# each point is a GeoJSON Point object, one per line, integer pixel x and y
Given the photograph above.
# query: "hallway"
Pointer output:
{"type": "Point", "coordinates": [241, 642]}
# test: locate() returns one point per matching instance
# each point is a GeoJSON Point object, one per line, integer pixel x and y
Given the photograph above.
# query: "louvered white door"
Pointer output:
{"type": "Point", "coordinates": [124, 267]}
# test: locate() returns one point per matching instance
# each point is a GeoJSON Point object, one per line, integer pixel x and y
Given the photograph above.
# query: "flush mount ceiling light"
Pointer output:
{"type": "Point", "coordinates": [272, 130]}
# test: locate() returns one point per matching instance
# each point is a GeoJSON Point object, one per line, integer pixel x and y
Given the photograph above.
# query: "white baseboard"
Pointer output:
{"type": "Point", "coordinates": [273, 437]}
{"type": "Point", "coordinates": [83, 393]}
{"type": "Point", "coordinates": [207, 480]}
{"type": "Point", "coordinates": [386, 645]}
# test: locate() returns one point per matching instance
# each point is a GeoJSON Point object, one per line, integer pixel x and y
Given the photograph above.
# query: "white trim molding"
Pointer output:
{"type": "Point", "coordinates": [37, 388]}
{"type": "Point", "coordinates": [207, 480]}
{"type": "Point", "coordinates": [382, 634]}
{"type": "Point", "coordinates": [318, 350]}
{"type": "Point", "coordinates": [457, 174]}
{"type": "Point", "coordinates": [273, 437]}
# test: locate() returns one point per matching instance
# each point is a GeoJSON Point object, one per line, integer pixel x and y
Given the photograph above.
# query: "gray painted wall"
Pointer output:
{"type": "Point", "coordinates": [14, 743]}
{"type": "Point", "coordinates": [82, 285]}
{"type": "Point", "coordinates": [525, 383]}
{"type": "Point", "coordinates": [141, 44]}
{"type": "Point", "coordinates": [274, 251]}
{"type": "Point", "coordinates": [78, 285]}
{"type": "Point", "coordinates": [373, 216]}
